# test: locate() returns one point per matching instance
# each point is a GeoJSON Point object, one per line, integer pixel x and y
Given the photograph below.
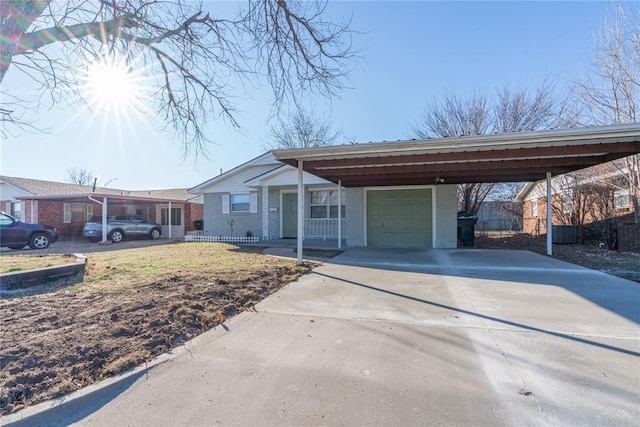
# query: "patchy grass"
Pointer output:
{"type": "Point", "coordinates": [134, 304]}
{"type": "Point", "coordinates": [10, 264]}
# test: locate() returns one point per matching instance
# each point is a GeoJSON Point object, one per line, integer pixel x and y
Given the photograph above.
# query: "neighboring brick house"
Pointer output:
{"type": "Point", "coordinates": [596, 199]}
{"type": "Point", "coordinates": [68, 206]}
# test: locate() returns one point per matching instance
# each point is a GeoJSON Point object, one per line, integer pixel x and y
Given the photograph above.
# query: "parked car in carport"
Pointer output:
{"type": "Point", "coordinates": [120, 227]}
{"type": "Point", "coordinates": [15, 234]}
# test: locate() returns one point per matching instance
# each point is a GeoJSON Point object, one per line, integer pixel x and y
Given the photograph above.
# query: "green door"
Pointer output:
{"type": "Point", "coordinates": [399, 218]}
{"type": "Point", "coordinates": [290, 215]}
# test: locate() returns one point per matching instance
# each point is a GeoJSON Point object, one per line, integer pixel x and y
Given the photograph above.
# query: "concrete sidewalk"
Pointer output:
{"type": "Point", "coordinates": [403, 337]}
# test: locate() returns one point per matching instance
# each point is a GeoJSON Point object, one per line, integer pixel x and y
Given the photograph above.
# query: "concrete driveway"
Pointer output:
{"type": "Point", "coordinates": [399, 337]}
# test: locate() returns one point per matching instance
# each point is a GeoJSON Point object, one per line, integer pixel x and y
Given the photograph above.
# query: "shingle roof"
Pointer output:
{"type": "Point", "coordinates": [174, 193]}
{"type": "Point", "coordinates": [50, 188]}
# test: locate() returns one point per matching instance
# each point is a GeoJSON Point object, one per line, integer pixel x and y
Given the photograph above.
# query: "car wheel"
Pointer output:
{"type": "Point", "coordinates": [155, 234]}
{"type": "Point", "coordinates": [39, 241]}
{"type": "Point", "coordinates": [116, 236]}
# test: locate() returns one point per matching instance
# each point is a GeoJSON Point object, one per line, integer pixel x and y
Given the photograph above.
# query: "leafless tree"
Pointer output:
{"type": "Point", "coordinates": [609, 90]}
{"type": "Point", "coordinates": [586, 198]}
{"type": "Point", "coordinates": [508, 111]}
{"type": "Point", "coordinates": [303, 129]}
{"type": "Point", "coordinates": [79, 176]}
{"type": "Point", "coordinates": [187, 57]}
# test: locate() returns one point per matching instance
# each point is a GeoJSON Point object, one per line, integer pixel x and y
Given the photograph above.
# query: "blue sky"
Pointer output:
{"type": "Point", "coordinates": [414, 52]}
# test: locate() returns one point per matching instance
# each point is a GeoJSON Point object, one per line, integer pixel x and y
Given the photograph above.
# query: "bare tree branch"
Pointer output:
{"type": "Point", "coordinates": [79, 176]}
{"type": "Point", "coordinates": [509, 111]}
{"type": "Point", "coordinates": [303, 129]}
{"type": "Point", "coordinates": [189, 58]}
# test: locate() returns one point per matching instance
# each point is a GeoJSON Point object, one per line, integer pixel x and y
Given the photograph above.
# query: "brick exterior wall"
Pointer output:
{"type": "Point", "coordinates": [629, 238]}
{"type": "Point", "coordinates": [192, 213]}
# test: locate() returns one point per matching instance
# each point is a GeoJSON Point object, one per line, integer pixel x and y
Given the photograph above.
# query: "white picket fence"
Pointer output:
{"type": "Point", "coordinates": [220, 239]}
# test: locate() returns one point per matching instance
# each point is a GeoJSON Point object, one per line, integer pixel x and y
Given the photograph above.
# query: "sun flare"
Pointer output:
{"type": "Point", "coordinates": [110, 84]}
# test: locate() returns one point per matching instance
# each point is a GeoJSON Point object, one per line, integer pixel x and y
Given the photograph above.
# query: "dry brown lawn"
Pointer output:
{"type": "Point", "coordinates": [133, 305]}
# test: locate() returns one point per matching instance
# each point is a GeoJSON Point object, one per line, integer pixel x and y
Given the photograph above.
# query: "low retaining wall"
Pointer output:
{"type": "Point", "coordinates": [66, 274]}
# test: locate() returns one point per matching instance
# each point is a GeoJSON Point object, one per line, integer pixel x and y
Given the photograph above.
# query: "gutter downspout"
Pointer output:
{"type": "Point", "coordinates": [104, 215]}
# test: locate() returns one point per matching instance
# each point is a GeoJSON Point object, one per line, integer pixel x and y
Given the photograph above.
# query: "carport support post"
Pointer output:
{"type": "Point", "coordinates": [549, 216]}
{"type": "Point", "coordinates": [104, 219]}
{"type": "Point", "coordinates": [339, 214]}
{"type": "Point", "coordinates": [170, 220]}
{"type": "Point", "coordinates": [300, 210]}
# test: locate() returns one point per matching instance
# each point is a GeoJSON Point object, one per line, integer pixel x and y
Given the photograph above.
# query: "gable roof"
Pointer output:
{"type": "Point", "coordinates": [586, 176]}
{"type": "Point", "coordinates": [512, 157]}
{"type": "Point", "coordinates": [265, 159]}
{"type": "Point", "coordinates": [50, 189]}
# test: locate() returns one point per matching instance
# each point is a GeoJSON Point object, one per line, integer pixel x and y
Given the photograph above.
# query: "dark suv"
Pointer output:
{"type": "Point", "coordinates": [16, 234]}
{"type": "Point", "coordinates": [121, 226]}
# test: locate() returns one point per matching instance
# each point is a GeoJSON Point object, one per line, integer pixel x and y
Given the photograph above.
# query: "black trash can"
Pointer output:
{"type": "Point", "coordinates": [466, 228]}
{"type": "Point", "coordinates": [198, 224]}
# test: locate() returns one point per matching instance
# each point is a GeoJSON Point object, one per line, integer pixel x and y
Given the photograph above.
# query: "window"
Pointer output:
{"type": "Point", "coordinates": [240, 203]}
{"type": "Point", "coordinates": [75, 212]}
{"type": "Point", "coordinates": [324, 204]}
{"type": "Point", "coordinates": [534, 208]}
{"type": "Point", "coordinates": [16, 210]}
{"type": "Point", "coordinates": [621, 199]}
{"type": "Point", "coordinates": [567, 204]}
{"type": "Point", "coordinates": [176, 216]}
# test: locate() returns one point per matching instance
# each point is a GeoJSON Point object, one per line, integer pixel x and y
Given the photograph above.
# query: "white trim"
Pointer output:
{"type": "Point", "coordinates": [226, 204]}
{"type": "Point", "coordinates": [533, 139]}
{"type": "Point", "coordinates": [300, 236]}
{"type": "Point", "coordinates": [253, 202]}
{"type": "Point", "coordinates": [265, 213]}
{"type": "Point", "coordinates": [264, 159]}
{"type": "Point", "coordinates": [434, 211]}
{"type": "Point", "coordinates": [549, 216]}
{"type": "Point", "coordinates": [66, 214]}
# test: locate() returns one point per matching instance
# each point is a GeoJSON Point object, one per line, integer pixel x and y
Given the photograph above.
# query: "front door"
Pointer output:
{"type": "Point", "coordinates": [289, 215]}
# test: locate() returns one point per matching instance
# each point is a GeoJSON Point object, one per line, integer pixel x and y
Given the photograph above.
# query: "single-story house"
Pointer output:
{"type": "Point", "coordinates": [391, 194]}
{"type": "Point", "coordinates": [68, 206]}
{"type": "Point", "coordinates": [260, 198]}
{"type": "Point", "coordinates": [499, 215]}
{"type": "Point", "coordinates": [596, 199]}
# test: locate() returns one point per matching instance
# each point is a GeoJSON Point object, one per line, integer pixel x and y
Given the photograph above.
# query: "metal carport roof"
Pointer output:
{"type": "Point", "coordinates": [512, 157]}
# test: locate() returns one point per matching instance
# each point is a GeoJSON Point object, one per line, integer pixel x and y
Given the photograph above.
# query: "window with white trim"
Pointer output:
{"type": "Point", "coordinates": [76, 212]}
{"type": "Point", "coordinates": [240, 202]}
{"type": "Point", "coordinates": [621, 199]}
{"type": "Point", "coordinates": [324, 204]}
{"type": "Point", "coordinates": [534, 208]}
{"type": "Point", "coordinates": [567, 204]}
{"type": "Point", "coordinates": [176, 216]}
{"type": "Point", "coordinates": [17, 211]}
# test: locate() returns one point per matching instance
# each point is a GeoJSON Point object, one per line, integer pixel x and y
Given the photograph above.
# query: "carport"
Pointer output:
{"type": "Point", "coordinates": [514, 157]}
